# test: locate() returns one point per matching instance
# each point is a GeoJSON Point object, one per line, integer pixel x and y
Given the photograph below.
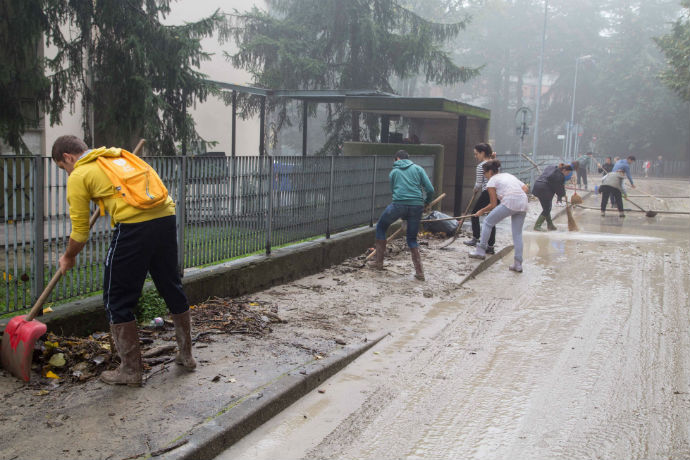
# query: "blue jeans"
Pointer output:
{"type": "Point", "coordinates": [517, 220]}
{"type": "Point", "coordinates": [393, 212]}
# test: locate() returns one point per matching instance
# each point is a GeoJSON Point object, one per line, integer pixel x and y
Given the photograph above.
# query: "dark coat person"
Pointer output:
{"type": "Point", "coordinates": [551, 182]}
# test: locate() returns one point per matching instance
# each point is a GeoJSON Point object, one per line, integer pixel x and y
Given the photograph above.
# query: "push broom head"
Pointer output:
{"type": "Point", "coordinates": [572, 225]}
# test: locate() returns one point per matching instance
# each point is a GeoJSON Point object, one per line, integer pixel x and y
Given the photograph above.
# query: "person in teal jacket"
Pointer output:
{"type": "Point", "coordinates": [412, 190]}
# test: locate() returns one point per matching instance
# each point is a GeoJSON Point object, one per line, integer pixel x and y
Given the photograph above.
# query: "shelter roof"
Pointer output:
{"type": "Point", "coordinates": [372, 101]}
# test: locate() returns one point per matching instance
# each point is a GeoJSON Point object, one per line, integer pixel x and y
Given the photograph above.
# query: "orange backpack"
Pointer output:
{"type": "Point", "coordinates": [134, 180]}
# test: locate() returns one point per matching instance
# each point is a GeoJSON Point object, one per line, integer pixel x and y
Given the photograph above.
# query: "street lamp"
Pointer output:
{"type": "Point", "coordinates": [571, 126]}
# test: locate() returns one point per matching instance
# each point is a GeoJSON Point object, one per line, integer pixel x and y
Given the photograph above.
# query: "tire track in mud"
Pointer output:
{"type": "Point", "coordinates": [603, 374]}
{"type": "Point", "coordinates": [422, 383]}
{"type": "Point", "coordinates": [645, 412]}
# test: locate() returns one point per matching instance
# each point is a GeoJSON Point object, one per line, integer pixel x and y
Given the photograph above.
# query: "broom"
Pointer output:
{"type": "Point", "coordinates": [575, 199]}
{"type": "Point", "coordinates": [572, 225]}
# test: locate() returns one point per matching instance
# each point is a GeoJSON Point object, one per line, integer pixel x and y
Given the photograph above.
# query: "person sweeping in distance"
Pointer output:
{"type": "Point", "coordinates": [409, 184]}
{"type": "Point", "coordinates": [613, 184]}
{"type": "Point", "coordinates": [551, 182]}
{"type": "Point", "coordinates": [482, 153]}
{"type": "Point", "coordinates": [513, 195]}
{"type": "Point", "coordinates": [144, 240]}
{"type": "Point", "coordinates": [624, 165]}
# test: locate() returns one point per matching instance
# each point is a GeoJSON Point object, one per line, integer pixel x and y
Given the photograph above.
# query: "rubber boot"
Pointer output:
{"type": "Point", "coordinates": [380, 254]}
{"type": "Point", "coordinates": [183, 334]}
{"type": "Point", "coordinates": [537, 224]}
{"type": "Point", "coordinates": [417, 261]}
{"type": "Point", "coordinates": [550, 225]}
{"type": "Point", "coordinates": [126, 341]}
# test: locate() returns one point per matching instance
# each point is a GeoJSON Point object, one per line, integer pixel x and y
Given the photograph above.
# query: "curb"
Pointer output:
{"type": "Point", "coordinates": [486, 263]}
{"type": "Point", "coordinates": [239, 418]}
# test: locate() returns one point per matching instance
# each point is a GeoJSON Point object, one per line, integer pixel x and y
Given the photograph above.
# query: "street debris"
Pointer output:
{"type": "Point", "coordinates": [64, 360]}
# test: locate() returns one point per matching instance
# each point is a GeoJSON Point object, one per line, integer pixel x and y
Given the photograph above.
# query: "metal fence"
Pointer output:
{"type": "Point", "coordinates": [226, 208]}
{"type": "Point", "coordinates": [522, 169]}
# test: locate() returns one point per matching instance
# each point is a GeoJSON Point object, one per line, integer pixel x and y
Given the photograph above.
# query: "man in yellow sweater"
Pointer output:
{"type": "Point", "coordinates": [144, 240]}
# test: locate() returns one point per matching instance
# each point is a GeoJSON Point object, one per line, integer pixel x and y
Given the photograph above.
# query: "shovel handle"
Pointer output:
{"type": "Point", "coordinates": [56, 277]}
{"type": "Point", "coordinates": [139, 146]}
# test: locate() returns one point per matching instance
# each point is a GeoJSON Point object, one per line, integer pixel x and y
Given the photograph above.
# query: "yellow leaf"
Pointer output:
{"type": "Point", "coordinates": [52, 375]}
{"type": "Point", "coordinates": [253, 304]}
{"type": "Point", "coordinates": [42, 393]}
{"type": "Point", "coordinates": [52, 344]}
{"type": "Point", "coordinates": [47, 310]}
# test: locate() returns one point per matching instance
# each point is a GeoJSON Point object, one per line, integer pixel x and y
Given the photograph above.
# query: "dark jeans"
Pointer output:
{"type": "Point", "coordinates": [136, 249]}
{"type": "Point", "coordinates": [582, 176]}
{"type": "Point", "coordinates": [393, 212]}
{"type": "Point", "coordinates": [545, 195]}
{"type": "Point", "coordinates": [482, 201]}
{"type": "Point", "coordinates": [546, 207]}
{"type": "Point", "coordinates": [607, 190]}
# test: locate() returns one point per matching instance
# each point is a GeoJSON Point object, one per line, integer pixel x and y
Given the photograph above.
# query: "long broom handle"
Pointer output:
{"type": "Point", "coordinates": [397, 232]}
{"type": "Point", "coordinates": [447, 218]}
{"type": "Point", "coordinates": [58, 274]}
{"type": "Point", "coordinates": [636, 205]}
{"type": "Point", "coordinates": [533, 163]}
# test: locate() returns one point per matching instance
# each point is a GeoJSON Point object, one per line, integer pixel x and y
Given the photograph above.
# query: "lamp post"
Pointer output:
{"type": "Point", "coordinates": [535, 142]}
{"type": "Point", "coordinates": [571, 126]}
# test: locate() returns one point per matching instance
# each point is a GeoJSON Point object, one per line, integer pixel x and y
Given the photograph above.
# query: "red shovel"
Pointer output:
{"type": "Point", "coordinates": [22, 331]}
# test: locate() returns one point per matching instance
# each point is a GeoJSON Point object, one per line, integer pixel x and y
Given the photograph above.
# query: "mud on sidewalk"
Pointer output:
{"type": "Point", "coordinates": [275, 332]}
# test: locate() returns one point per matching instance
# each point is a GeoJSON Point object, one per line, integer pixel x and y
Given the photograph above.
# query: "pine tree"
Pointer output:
{"type": "Point", "coordinates": [138, 74]}
{"type": "Point", "coordinates": [337, 44]}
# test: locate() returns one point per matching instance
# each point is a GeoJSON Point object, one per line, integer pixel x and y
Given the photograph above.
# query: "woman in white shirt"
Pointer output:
{"type": "Point", "coordinates": [513, 195]}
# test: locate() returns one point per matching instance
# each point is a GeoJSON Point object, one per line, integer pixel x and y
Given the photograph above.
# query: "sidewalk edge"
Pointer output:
{"type": "Point", "coordinates": [235, 421]}
{"type": "Point", "coordinates": [487, 263]}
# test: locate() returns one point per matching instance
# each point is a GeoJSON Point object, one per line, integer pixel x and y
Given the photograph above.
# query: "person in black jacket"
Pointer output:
{"type": "Point", "coordinates": [551, 182]}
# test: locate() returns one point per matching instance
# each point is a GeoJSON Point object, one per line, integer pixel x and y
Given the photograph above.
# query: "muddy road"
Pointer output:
{"type": "Point", "coordinates": [584, 355]}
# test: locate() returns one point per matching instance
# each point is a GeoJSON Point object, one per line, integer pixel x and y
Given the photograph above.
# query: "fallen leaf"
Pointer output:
{"type": "Point", "coordinates": [47, 310]}
{"type": "Point", "coordinates": [52, 375]}
{"type": "Point", "coordinates": [42, 393]}
{"type": "Point", "coordinates": [318, 357]}
{"type": "Point", "coordinates": [57, 360]}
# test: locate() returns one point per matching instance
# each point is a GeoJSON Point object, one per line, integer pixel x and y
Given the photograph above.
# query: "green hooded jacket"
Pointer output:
{"type": "Point", "coordinates": [408, 184]}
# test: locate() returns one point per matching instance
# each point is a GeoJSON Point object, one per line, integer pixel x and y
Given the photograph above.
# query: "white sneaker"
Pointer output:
{"type": "Point", "coordinates": [478, 253]}
{"type": "Point", "coordinates": [516, 267]}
